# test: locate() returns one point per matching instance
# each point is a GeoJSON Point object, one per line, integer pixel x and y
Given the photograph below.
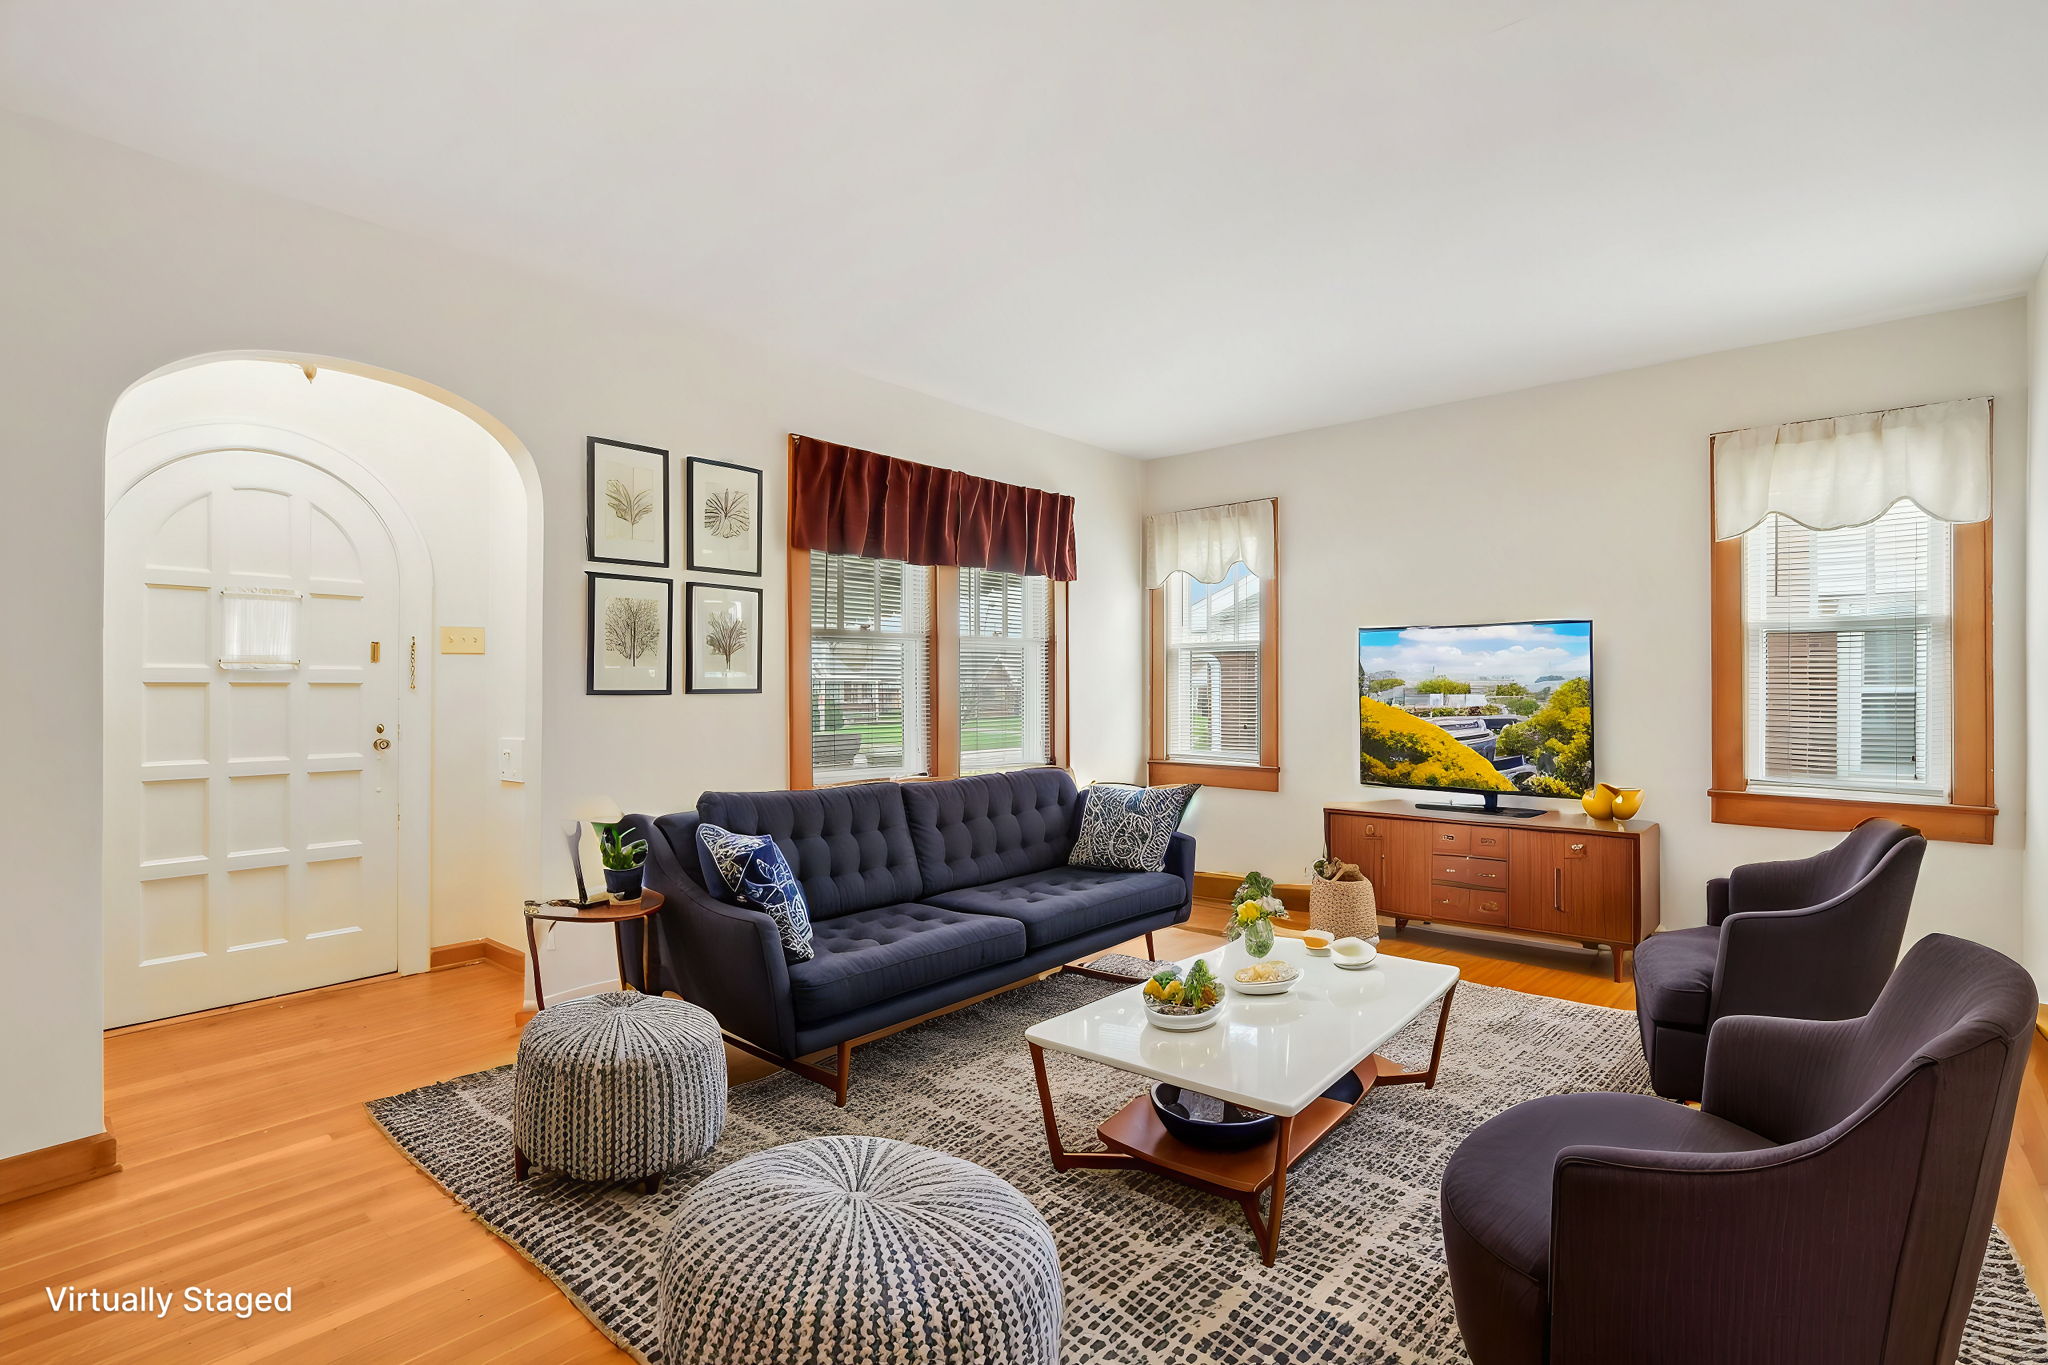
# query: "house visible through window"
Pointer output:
{"type": "Point", "coordinates": [922, 672]}
{"type": "Point", "coordinates": [1005, 670]}
{"type": "Point", "coordinates": [1213, 687]}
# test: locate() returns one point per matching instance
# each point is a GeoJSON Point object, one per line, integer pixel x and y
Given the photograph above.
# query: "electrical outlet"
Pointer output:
{"type": "Point", "coordinates": [462, 639]}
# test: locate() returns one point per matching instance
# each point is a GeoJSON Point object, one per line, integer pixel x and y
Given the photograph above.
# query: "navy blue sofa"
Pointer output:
{"type": "Point", "coordinates": [921, 895]}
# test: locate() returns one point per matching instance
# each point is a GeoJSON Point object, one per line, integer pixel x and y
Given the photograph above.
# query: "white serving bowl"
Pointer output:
{"type": "Point", "coordinates": [1353, 954]}
{"type": "Point", "coordinates": [1184, 1023]}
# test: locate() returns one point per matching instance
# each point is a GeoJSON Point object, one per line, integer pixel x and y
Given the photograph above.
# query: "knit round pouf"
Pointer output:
{"type": "Point", "coordinates": [846, 1250]}
{"type": "Point", "coordinates": [617, 1087]}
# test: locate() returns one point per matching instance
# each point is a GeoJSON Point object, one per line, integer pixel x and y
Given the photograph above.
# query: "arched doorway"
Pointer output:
{"type": "Point", "coordinates": [285, 536]}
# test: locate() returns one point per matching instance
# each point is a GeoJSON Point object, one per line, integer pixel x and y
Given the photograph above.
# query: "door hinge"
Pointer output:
{"type": "Point", "coordinates": [412, 663]}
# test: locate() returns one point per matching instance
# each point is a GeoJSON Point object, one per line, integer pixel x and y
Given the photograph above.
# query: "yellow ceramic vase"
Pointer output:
{"type": "Point", "coordinates": [1609, 802]}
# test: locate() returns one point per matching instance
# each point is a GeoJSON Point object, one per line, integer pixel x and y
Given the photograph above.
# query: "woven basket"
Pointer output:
{"type": "Point", "coordinates": [1344, 909]}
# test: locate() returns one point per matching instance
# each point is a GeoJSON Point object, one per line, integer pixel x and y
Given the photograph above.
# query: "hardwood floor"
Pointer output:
{"type": "Point", "coordinates": [249, 1164]}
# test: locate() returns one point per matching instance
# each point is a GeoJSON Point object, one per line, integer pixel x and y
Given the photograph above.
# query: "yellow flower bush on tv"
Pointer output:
{"type": "Point", "coordinates": [1407, 751]}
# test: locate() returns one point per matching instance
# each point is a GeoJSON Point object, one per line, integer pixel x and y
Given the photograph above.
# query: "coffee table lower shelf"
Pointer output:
{"type": "Point", "coordinates": [1134, 1137]}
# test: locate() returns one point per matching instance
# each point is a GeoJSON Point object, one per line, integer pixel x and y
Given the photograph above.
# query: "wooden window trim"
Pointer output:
{"type": "Point", "coordinates": [1264, 776]}
{"type": "Point", "coordinates": [1969, 816]}
{"type": "Point", "coordinates": [944, 716]}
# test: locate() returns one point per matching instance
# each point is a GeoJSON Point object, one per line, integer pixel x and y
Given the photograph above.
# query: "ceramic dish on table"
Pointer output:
{"type": "Point", "coordinates": [1353, 954]}
{"type": "Point", "coordinates": [1180, 1018]}
{"type": "Point", "coordinates": [1276, 977]}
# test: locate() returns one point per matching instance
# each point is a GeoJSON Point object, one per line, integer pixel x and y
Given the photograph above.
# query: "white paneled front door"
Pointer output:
{"type": "Point", "coordinates": [252, 846]}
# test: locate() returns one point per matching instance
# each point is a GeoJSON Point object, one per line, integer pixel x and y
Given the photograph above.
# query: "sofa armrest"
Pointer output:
{"type": "Point", "coordinates": [726, 958]}
{"type": "Point", "coordinates": [1180, 861]}
{"type": "Point", "coordinates": [1779, 1077]}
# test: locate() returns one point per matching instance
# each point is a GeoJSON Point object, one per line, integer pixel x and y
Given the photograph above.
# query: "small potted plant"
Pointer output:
{"type": "Point", "coordinates": [625, 862]}
{"type": "Point", "coordinates": [1183, 1002]}
{"type": "Point", "coordinates": [1252, 912]}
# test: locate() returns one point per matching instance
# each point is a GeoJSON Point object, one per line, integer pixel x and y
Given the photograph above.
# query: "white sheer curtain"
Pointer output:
{"type": "Point", "coordinates": [1845, 471]}
{"type": "Point", "coordinates": [1203, 543]}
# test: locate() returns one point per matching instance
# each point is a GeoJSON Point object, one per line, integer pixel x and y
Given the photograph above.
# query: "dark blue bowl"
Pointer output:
{"type": "Point", "coordinates": [1239, 1129]}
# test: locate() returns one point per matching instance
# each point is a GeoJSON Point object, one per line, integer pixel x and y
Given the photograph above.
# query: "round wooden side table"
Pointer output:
{"type": "Point", "coordinates": [615, 913]}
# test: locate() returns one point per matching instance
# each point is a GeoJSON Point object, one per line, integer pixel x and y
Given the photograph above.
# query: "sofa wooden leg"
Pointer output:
{"type": "Point", "coordinates": [519, 1166]}
{"type": "Point", "coordinates": [843, 1075]}
{"type": "Point", "coordinates": [1151, 953]}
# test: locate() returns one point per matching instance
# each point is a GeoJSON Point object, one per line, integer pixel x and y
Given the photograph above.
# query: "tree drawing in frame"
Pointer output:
{"type": "Point", "coordinates": [722, 522]}
{"type": "Point", "coordinates": [629, 647]}
{"type": "Point", "coordinates": [632, 628]}
{"type": "Point", "coordinates": [724, 638]}
{"type": "Point", "coordinates": [628, 495]}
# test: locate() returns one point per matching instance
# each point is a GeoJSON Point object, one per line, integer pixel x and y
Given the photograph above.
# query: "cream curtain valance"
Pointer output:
{"type": "Point", "coordinates": [1205, 542]}
{"type": "Point", "coordinates": [1845, 471]}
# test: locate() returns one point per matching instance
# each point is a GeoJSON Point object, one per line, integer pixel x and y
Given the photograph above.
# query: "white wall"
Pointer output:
{"type": "Point", "coordinates": [118, 264]}
{"type": "Point", "coordinates": [1590, 499]}
{"type": "Point", "coordinates": [2036, 540]}
{"type": "Point", "coordinates": [463, 492]}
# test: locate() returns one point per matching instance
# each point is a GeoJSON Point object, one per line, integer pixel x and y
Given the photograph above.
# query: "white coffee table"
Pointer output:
{"type": "Point", "coordinates": [1276, 1053]}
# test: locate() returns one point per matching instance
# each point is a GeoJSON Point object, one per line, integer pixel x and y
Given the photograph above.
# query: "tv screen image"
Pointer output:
{"type": "Point", "coordinates": [1488, 709]}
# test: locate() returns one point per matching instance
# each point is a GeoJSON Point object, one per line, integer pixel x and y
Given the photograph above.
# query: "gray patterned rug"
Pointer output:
{"type": "Point", "coordinates": [1154, 1271]}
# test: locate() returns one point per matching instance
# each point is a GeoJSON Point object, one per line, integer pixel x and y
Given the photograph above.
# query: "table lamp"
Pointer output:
{"type": "Point", "coordinates": [596, 810]}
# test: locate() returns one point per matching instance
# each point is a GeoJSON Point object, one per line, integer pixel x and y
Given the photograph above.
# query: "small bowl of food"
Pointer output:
{"type": "Point", "coordinates": [1183, 1002]}
{"type": "Point", "coordinates": [1317, 941]}
{"type": "Point", "coordinates": [1265, 978]}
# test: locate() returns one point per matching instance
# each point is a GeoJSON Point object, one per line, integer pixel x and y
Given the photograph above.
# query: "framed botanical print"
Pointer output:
{"type": "Point", "coordinates": [724, 634]}
{"type": "Point", "coordinates": [630, 651]}
{"type": "Point", "coordinates": [722, 515]}
{"type": "Point", "coordinates": [628, 496]}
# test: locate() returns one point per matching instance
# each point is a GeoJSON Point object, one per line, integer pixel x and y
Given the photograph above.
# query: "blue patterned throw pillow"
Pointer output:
{"type": "Point", "coordinates": [753, 868]}
{"type": "Point", "coordinates": [1126, 829]}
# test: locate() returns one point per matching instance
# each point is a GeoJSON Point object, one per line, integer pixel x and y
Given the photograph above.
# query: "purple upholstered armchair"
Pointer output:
{"type": "Point", "coordinates": [1828, 1203]}
{"type": "Point", "coordinates": [1814, 938]}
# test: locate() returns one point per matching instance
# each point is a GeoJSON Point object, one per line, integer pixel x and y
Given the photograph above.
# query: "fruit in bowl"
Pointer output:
{"type": "Point", "coordinates": [1177, 1000]}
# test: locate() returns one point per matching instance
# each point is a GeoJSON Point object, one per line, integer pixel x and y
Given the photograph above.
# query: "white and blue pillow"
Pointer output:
{"type": "Point", "coordinates": [753, 869]}
{"type": "Point", "coordinates": [1127, 829]}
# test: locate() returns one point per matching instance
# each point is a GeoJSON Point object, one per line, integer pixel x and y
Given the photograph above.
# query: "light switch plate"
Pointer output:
{"type": "Point", "coordinates": [511, 760]}
{"type": "Point", "coordinates": [462, 639]}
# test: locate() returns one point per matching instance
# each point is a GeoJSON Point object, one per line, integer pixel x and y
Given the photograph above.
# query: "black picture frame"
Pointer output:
{"type": "Point", "coordinates": [590, 452]}
{"type": "Point", "coordinates": [693, 522]}
{"type": "Point", "coordinates": [690, 642]}
{"type": "Point", "coordinates": [592, 649]}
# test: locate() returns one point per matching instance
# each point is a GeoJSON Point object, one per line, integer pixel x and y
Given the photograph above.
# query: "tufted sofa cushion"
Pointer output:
{"type": "Point", "coordinates": [850, 846]}
{"type": "Point", "coordinates": [1062, 902]}
{"type": "Point", "coordinates": [973, 830]}
{"type": "Point", "coordinates": [880, 953]}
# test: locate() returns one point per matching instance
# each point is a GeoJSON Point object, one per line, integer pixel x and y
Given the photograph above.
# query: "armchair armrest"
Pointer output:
{"type": "Point", "coordinates": [1180, 861]}
{"type": "Point", "coordinates": [1778, 1077]}
{"type": "Point", "coordinates": [1717, 900]}
{"type": "Point", "coordinates": [1697, 1258]}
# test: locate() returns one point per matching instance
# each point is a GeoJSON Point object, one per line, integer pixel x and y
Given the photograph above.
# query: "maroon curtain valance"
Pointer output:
{"type": "Point", "coordinates": [855, 502]}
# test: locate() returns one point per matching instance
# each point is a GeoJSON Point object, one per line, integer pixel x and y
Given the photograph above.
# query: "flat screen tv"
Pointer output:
{"type": "Point", "coordinates": [1484, 709]}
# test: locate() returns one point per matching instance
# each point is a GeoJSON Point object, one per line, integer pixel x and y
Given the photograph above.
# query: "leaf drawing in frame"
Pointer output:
{"type": "Point", "coordinates": [632, 628]}
{"type": "Point", "coordinates": [726, 514]}
{"type": "Point", "coordinates": [627, 505]}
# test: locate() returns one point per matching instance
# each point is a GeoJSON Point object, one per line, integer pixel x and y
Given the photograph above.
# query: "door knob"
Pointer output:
{"type": "Point", "coordinates": [381, 744]}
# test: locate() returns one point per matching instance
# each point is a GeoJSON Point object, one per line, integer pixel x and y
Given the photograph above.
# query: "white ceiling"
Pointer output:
{"type": "Point", "coordinates": [1155, 225]}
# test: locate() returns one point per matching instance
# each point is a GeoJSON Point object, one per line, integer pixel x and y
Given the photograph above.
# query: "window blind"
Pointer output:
{"type": "Point", "coordinates": [1848, 637]}
{"type": "Point", "coordinates": [871, 627]}
{"type": "Point", "coordinates": [1213, 668]}
{"type": "Point", "coordinates": [1005, 670]}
